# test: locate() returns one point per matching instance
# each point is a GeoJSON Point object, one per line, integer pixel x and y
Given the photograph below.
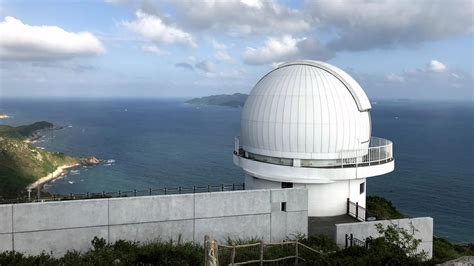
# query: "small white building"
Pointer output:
{"type": "Point", "coordinates": [307, 124]}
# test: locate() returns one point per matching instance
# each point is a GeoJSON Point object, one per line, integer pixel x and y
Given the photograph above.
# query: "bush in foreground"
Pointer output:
{"type": "Point", "coordinates": [120, 253]}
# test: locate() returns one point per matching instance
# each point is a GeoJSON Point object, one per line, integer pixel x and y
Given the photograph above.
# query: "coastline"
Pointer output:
{"type": "Point", "coordinates": [33, 139]}
{"type": "Point", "coordinates": [51, 176]}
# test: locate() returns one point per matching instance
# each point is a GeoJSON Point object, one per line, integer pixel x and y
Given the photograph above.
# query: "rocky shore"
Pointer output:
{"type": "Point", "coordinates": [62, 170]}
{"type": "Point", "coordinates": [23, 165]}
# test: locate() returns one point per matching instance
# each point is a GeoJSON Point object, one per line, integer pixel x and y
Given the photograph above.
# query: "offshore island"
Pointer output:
{"type": "Point", "coordinates": [230, 100]}
{"type": "Point", "coordinates": [24, 166]}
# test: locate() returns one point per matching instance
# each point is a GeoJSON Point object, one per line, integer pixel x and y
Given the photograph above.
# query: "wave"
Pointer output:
{"type": "Point", "coordinates": [74, 172]}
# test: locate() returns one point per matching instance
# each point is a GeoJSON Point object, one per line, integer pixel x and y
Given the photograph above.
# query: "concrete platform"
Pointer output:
{"type": "Point", "coordinates": [326, 225]}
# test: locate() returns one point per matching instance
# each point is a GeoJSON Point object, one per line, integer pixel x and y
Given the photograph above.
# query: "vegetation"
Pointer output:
{"type": "Point", "coordinates": [23, 132]}
{"type": "Point", "coordinates": [382, 251]}
{"type": "Point", "coordinates": [234, 100]}
{"type": "Point", "coordinates": [443, 250]}
{"type": "Point", "coordinates": [119, 253]}
{"type": "Point", "coordinates": [21, 163]}
{"type": "Point", "coordinates": [382, 208]}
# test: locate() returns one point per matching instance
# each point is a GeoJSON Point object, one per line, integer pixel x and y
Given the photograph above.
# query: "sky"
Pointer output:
{"type": "Point", "coordinates": [396, 49]}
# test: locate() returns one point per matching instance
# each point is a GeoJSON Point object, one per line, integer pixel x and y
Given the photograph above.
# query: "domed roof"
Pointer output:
{"type": "Point", "coordinates": [305, 110]}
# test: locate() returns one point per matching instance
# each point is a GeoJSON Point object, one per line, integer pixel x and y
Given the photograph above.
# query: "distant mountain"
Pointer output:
{"type": "Point", "coordinates": [234, 100]}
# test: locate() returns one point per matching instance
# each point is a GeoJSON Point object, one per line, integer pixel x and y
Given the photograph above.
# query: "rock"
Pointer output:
{"type": "Point", "coordinates": [91, 160]}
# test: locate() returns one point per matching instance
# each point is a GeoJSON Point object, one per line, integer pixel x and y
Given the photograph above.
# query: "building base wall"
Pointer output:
{"type": "Point", "coordinates": [326, 199]}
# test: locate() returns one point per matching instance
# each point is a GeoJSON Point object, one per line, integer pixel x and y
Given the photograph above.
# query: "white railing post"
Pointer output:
{"type": "Point", "coordinates": [379, 154]}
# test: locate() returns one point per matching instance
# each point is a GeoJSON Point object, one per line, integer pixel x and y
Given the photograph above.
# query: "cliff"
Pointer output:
{"type": "Point", "coordinates": [234, 100]}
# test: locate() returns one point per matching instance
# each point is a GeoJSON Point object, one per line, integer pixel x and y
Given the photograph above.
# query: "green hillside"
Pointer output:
{"type": "Point", "coordinates": [21, 163]}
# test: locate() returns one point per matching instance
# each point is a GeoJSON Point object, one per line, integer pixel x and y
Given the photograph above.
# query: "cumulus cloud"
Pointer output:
{"type": "Point", "coordinates": [19, 41]}
{"type": "Point", "coordinates": [154, 28]}
{"type": "Point", "coordinates": [363, 25]}
{"type": "Point", "coordinates": [237, 17]}
{"type": "Point", "coordinates": [345, 25]}
{"type": "Point", "coordinates": [436, 66]}
{"type": "Point", "coordinates": [274, 50]}
{"type": "Point", "coordinates": [277, 50]}
{"type": "Point", "coordinates": [312, 48]}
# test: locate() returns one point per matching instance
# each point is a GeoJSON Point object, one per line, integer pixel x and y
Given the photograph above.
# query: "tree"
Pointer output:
{"type": "Point", "coordinates": [402, 238]}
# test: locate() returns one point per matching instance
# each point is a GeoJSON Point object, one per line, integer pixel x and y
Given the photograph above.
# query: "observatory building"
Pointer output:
{"type": "Point", "coordinates": [307, 124]}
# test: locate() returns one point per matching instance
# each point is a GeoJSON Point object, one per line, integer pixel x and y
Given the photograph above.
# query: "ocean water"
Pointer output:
{"type": "Point", "coordinates": [157, 143]}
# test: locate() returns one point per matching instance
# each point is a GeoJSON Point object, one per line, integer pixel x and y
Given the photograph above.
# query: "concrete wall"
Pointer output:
{"type": "Point", "coordinates": [423, 229]}
{"type": "Point", "coordinates": [60, 226]}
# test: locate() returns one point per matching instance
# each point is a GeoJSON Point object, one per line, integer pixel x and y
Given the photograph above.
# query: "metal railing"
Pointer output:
{"type": "Point", "coordinates": [379, 151]}
{"type": "Point", "coordinates": [356, 211]}
{"type": "Point", "coordinates": [127, 193]}
{"type": "Point", "coordinates": [352, 241]}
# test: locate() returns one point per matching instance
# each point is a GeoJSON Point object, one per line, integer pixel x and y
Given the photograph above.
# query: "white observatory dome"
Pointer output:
{"type": "Point", "coordinates": [305, 110]}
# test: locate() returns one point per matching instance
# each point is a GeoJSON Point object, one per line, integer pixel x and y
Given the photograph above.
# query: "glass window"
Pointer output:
{"type": "Point", "coordinates": [362, 188]}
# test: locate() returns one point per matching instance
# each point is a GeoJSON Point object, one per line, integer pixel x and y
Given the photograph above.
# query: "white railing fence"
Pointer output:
{"type": "Point", "coordinates": [379, 151]}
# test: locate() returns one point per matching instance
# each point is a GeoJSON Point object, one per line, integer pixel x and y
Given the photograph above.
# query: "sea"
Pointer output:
{"type": "Point", "coordinates": [167, 143]}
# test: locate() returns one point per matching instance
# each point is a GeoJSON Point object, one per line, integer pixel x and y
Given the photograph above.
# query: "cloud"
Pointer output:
{"type": "Point", "coordinates": [274, 50]}
{"type": "Point", "coordinates": [221, 53]}
{"type": "Point", "coordinates": [312, 48]}
{"type": "Point", "coordinates": [218, 46]}
{"type": "Point", "coordinates": [419, 83]}
{"type": "Point", "coordinates": [327, 27]}
{"type": "Point", "coordinates": [153, 27]}
{"type": "Point", "coordinates": [395, 78]}
{"type": "Point", "coordinates": [151, 49]}
{"type": "Point", "coordinates": [19, 41]}
{"type": "Point", "coordinates": [184, 65]}
{"type": "Point", "coordinates": [363, 25]}
{"type": "Point", "coordinates": [277, 50]}
{"type": "Point", "coordinates": [206, 66]}
{"type": "Point", "coordinates": [236, 17]}
{"type": "Point", "coordinates": [71, 66]}
{"type": "Point", "coordinates": [436, 66]}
